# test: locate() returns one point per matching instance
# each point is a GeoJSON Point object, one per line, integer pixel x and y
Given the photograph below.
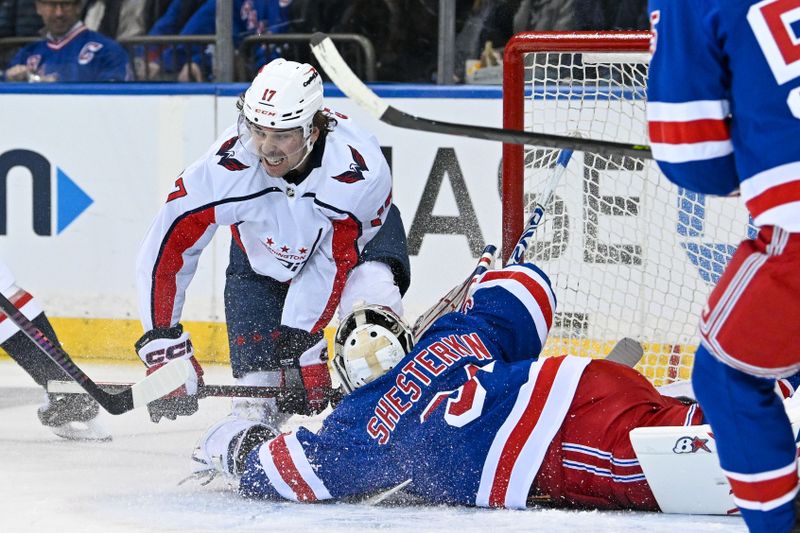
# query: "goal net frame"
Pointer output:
{"type": "Point", "coordinates": [675, 243]}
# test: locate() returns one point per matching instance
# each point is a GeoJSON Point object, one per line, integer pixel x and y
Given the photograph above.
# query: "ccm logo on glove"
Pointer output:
{"type": "Point", "coordinates": [174, 351]}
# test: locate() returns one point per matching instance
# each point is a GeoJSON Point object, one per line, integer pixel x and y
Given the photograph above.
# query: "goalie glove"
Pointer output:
{"type": "Point", "coordinates": [303, 359]}
{"type": "Point", "coordinates": [156, 348]}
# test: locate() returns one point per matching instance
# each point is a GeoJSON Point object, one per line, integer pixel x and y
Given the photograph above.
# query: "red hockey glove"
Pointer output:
{"type": "Point", "coordinates": [305, 371]}
{"type": "Point", "coordinates": [156, 348]}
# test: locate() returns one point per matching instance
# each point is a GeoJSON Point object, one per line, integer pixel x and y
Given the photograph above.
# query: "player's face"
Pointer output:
{"type": "Point", "coordinates": [58, 15]}
{"type": "Point", "coordinates": [280, 150]}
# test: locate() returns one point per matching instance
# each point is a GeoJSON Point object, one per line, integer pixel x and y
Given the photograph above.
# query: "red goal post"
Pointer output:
{"type": "Point", "coordinates": [629, 254]}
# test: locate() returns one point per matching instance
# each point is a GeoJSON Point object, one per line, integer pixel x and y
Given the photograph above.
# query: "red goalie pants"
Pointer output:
{"type": "Point", "coordinates": [750, 322]}
{"type": "Point", "coordinates": [591, 462]}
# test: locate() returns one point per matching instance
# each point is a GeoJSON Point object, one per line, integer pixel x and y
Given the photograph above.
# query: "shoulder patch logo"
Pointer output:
{"type": "Point", "coordinates": [357, 167]}
{"type": "Point", "coordinates": [88, 51]}
{"type": "Point", "coordinates": [226, 158]}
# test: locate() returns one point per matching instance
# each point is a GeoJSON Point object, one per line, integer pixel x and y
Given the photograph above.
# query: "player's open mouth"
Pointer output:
{"type": "Point", "coordinates": [274, 161]}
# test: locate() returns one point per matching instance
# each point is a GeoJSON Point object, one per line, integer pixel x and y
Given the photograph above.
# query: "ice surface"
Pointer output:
{"type": "Point", "coordinates": [131, 483]}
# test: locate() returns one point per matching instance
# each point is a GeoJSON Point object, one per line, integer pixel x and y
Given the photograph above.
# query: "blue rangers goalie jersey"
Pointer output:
{"type": "Point", "coordinates": [724, 101]}
{"type": "Point", "coordinates": [472, 390]}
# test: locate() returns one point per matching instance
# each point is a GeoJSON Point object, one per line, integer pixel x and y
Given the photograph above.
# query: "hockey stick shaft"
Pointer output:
{"type": "Point", "coordinates": [203, 391]}
{"type": "Point", "coordinates": [518, 255]}
{"type": "Point", "coordinates": [154, 386]}
{"type": "Point", "coordinates": [453, 299]}
{"type": "Point", "coordinates": [340, 73]}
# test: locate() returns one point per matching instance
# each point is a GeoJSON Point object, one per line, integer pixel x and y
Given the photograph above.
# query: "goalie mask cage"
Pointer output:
{"type": "Point", "coordinates": [629, 254]}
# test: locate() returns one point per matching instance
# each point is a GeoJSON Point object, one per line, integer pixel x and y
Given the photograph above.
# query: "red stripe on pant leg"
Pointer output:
{"type": "Point", "coordinates": [522, 432]}
{"type": "Point", "coordinates": [764, 491]}
{"type": "Point", "coordinates": [747, 329]}
{"type": "Point", "coordinates": [288, 470]}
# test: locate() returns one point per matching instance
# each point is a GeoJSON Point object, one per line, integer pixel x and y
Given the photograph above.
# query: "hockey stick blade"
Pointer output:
{"type": "Point", "coordinates": [156, 385]}
{"type": "Point", "coordinates": [342, 75]}
{"type": "Point", "coordinates": [627, 352]}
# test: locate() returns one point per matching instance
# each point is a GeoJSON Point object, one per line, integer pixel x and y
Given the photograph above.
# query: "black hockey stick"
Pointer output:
{"type": "Point", "coordinates": [154, 386]}
{"type": "Point", "coordinates": [455, 297]}
{"type": "Point", "coordinates": [342, 75]}
{"type": "Point", "coordinates": [203, 391]}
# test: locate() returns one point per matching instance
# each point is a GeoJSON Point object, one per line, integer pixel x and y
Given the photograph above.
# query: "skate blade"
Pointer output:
{"type": "Point", "coordinates": [92, 430]}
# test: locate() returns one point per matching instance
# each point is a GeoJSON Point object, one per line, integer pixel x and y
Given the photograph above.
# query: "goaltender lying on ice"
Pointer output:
{"type": "Point", "coordinates": [470, 415]}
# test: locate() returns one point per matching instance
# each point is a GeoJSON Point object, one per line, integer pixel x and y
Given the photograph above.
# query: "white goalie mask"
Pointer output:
{"type": "Point", "coordinates": [370, 341]}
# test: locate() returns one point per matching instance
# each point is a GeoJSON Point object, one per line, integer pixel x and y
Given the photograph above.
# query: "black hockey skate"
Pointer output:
{"type": "Point", "coordinates": [73, 417]}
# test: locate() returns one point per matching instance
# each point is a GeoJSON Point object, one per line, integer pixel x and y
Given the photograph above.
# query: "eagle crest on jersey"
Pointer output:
{"type": "Point", "coordinates": [357, 167]}
{"type": "Point", "coordinates": [226, 156]}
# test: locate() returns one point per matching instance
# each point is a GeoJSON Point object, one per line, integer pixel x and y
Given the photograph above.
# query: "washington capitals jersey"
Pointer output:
{"type": "Point", "coordinates": [467, 415]}
{"type": "Point", "coordinates": [310, 233]}
{"type": "Point", "coordinates": [724, 101]}
{"type": "Point", "coordinates": [82, 55]}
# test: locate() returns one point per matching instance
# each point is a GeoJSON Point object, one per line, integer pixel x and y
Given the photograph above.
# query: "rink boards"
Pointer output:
{"type": "Point", "coordinates": [87, 168]}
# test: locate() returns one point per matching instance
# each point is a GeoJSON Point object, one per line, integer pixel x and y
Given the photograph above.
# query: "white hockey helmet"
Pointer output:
{"type": "Point", "coordinates": [283, 95]}
{"type": "Point", "coordinates": [369, 342]}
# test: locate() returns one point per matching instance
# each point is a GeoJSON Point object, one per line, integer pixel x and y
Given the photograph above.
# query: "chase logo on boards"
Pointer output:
{"type": "Point", "coordinates": [70, 200]}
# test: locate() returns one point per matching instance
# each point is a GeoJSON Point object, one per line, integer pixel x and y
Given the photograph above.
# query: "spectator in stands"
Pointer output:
{"type": "Point", "coordinates": [250, 17]}
{"type": "Point", "coordinates": [170, 22]}
{"type": "Point", "coordinates": [117, 19]}
{"type": "Point", "coordinates": [487, 21]}
{"type": "Point", "coordinates": [403, 32]}
{"type": "Point", "coordinates": [70, 51]}
{"type": "Point", "coordinates": [18, 18]}
{"type": "Point", "coordinates": [581, 15]}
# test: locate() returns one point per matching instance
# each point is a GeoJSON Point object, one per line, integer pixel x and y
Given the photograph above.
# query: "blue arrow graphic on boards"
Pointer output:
{"type": "Point", "coordinates": [72, 201]}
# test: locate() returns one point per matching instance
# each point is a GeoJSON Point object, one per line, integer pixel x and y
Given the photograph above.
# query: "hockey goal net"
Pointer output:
{"type": "Point", "coordinates": [629, 254]}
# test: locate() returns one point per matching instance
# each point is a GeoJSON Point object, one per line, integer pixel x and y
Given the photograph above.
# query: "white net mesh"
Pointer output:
{"type": "Point", "coordinates": [629, 254]}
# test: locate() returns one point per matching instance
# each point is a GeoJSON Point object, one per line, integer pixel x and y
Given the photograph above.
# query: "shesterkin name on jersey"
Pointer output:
{"type": "Point", "coordinates": [417, 373]}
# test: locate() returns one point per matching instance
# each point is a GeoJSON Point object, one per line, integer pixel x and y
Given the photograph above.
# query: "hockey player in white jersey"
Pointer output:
{"type": "Point", "coordinates": [307, 195]}
{"type": "Point", "coordinates": [70, 416]}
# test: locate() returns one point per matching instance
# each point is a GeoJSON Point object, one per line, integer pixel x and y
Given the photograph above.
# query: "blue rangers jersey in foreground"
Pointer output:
{"type": "Point", "coordinates": [472, 388]}
{"type": "Point", "coordinates": [82, 55]}
{"type": "Point", "coordinates": [694, 130]}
